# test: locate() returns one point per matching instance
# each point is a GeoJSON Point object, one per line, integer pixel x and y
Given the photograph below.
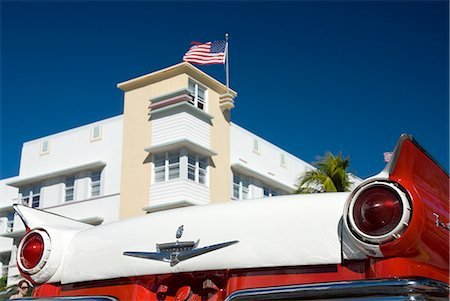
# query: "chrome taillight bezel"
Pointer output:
{"type": "Point", "coordinates": [45, 255]}
{"type": "Point", "coordinates": [393, 234]}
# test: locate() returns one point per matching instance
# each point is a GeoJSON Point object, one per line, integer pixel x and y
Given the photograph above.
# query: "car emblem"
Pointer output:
{"type": "Point", "coordinates": [174, 252]}
{"type": "Point", "coordinates": [439, 223]}
{"type": "Point", "coordinates": [179, 232]}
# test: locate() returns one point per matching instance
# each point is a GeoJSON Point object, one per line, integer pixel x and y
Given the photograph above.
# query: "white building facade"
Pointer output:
{"type": "Point", "coordinates": [173, 146]}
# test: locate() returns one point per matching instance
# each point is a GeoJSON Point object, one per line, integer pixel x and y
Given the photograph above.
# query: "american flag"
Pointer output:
{"type": "Point", "coordinates": [206, 53]}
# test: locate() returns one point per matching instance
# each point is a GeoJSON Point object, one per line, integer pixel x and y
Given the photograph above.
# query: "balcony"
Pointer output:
{"type": "Point", "coordinates": [177, 193]}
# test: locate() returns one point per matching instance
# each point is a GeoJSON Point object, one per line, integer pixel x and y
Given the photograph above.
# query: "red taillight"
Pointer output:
{"type": "Point", "coordinates": [32, 250]}
{"type": "Point", "coordinates": [377, 211]}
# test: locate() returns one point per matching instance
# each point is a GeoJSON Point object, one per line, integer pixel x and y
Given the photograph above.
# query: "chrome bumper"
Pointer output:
{"type": "Point", "coordinates": [414, 289]}
{"type": "Point", "coordinates": [363, 290]}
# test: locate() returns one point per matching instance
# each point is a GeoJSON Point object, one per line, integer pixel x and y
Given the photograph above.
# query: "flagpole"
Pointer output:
{"type": "Point", "coordinates": [227, 72]}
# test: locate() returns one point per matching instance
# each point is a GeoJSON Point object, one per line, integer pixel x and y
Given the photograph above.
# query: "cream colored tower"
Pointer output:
{"type": "Point", "coordinates": [160, 115]}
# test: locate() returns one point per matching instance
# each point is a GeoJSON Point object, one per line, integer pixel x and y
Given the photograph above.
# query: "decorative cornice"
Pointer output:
{"type": "Point", "coordinates": [170, 101]}
{"type": "Point", "coordinates": [226, 101]}
{"type": "Point", "coordinates": [171, 94]}
{"type": "Point", "coordinates": [181, 68]}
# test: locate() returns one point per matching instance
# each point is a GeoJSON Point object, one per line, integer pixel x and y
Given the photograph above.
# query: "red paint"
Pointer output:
{"type": "Point", "coordinates": [189, 286]}
{"type": "Point", "coordinates": [423, 246]}
{"type": "Point", "coordinates": [47, 290]}
{"type": "Point", "coordinates": [178, 286]}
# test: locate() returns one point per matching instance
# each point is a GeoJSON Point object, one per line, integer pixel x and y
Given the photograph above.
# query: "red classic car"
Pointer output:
{"type": "Point", "coordinates": [388, 239]}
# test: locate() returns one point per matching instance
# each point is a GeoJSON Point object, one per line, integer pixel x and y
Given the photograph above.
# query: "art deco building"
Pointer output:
{"type": "Point", "coordinates": [173, 146]}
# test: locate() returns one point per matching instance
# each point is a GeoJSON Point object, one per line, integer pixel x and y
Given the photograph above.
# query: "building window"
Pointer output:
{"type": "Point", "coordinates": [198, 94]}
{"type": "Point", "coordinates": [96, 133]}
{"type": "Point", "coordinates": [70, 184]}
{"type": "Point", "coordinates": [269, 192]}
{"type": "Point", "coordinates": [160, 167]}
{"type": "Point", "coordinates": [10, 221]}
{"type": "Point", "coordinates": [282, 160]}
{"type": "Point", "coordinates": [45, 147]}
{"type": "Point", "coordinates": [173, 165]}
{"type": "Point", "coordinates": [256, 146]}
{"type": "Point", "coordinates": [32, 197]}
{"type": "Point", "coordinates": [240, 187]}
{"type": "Point", "coordinates": [167, 166]}
{"type": "Point", "coordinates": [95, 183]}
{"type": "Point", "coordinates": [197, 168]}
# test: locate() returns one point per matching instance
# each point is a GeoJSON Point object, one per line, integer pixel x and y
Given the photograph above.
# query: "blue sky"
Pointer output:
{"type": "Point", "coordinates": [311, 76]}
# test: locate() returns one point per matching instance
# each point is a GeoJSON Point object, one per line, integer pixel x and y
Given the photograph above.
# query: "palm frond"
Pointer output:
{"type": "Point", "coordinates": [330, 175]}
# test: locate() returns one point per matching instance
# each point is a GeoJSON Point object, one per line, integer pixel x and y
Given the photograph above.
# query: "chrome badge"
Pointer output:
{"type": "Point", "coordinates": [174, 252]}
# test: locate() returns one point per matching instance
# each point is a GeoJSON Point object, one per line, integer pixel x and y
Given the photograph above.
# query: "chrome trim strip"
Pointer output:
{"type": "Point", "coordinates": [383, 288]}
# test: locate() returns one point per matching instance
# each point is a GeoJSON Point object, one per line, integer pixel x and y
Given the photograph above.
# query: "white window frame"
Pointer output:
{"type": "Point", "coordinates": [69, 190]}
{"type": "Point", "coordinates": [200, 174]}
{"type": "Point", "coordinates": [96, 183]}
{"type": "Point", "coordinates": [186, 163]}
{"type": "Point", "coordinates": [44, 147]}
{"type": "Point", "coordinates": [197, 101]}
{"type": "Point", "coordinates": [96, 137]}
{"type": "Point", "coordinates": [242, 183]}
{"type": "Point", "coordinates": [167, 166]}
{"type": "Point", "coordinates": [29, 199]}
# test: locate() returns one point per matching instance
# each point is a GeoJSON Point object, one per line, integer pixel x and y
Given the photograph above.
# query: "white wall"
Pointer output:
{"type": "Point", "coordinates": [267, 162]}
{"type": "Point", "coordinates": [8, 195]}
{"type": "Point", "coordinates": [74, 148]}
{"type": "Point", "coordinates": [68, 150]}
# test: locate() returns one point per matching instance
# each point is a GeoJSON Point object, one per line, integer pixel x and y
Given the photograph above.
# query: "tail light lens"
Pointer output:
{"type": "Point", "coordinates": [33, 252]}
{"type": "Point", "coordinates": [379, 212]}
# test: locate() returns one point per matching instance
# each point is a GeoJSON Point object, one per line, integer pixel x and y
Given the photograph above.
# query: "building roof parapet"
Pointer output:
{"type": "Point", "coordinates": [263, 140]}
{"type": "Point", "coordinates": [181, 68]}
{"type": "Point", "coordinates": [78, 128]}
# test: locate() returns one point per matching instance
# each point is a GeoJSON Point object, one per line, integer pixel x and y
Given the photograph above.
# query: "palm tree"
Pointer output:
{"type": "Point", "coordinates": [330, 175]}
